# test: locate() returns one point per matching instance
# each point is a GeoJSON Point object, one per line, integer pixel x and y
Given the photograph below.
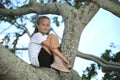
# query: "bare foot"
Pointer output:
{"type": "Point", "coordinates": [68, 66]}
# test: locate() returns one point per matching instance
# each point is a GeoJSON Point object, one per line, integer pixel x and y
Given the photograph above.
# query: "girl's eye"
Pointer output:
{"type": "Point", "coordinates": [43, 24]}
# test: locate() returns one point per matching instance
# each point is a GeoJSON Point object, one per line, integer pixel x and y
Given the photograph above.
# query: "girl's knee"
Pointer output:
{"type": "Point", "coordinates": [54, 42]}
{"type": "Point", "coordinates": [52, 36]}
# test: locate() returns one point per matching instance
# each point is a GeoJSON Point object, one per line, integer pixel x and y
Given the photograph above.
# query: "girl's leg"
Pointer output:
{"type": "Point", "coordinates": [54, 44]}
{"type": "Point", "coordinates": [45, 59]}
{"type": "Point", "coordinates": [45, 56]}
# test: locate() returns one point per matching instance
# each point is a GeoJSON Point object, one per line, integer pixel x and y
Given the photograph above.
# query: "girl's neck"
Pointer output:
{"type": "Point", "coordinates": [42, 33]}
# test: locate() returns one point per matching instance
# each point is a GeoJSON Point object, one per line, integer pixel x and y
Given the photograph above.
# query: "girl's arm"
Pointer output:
{"type": "Point", "coordinates": [54, 50]}
{"type": "Point", "coordinates": [51, 44]}
{"type": "Point", "coordinates": [58, 53]}
{"type": "Point", "coordinates": [46, 43]}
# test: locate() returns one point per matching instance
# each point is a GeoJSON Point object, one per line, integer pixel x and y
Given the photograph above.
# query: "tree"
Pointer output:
{"type": "Point", "coordinates": [109, 74]}
{"type": "Point", "coordinates": [76, 16]}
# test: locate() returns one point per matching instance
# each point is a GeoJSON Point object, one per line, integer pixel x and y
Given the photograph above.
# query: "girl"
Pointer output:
{"type": "Point", "coordinates": [43, 50]}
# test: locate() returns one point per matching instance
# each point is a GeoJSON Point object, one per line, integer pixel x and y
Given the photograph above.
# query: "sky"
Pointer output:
{"type": "Point", "coordinates": [101, 31]}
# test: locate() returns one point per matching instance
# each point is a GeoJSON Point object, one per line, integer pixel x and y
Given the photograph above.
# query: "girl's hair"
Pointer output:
{"type": "Point", "coordinates": [38, 21]}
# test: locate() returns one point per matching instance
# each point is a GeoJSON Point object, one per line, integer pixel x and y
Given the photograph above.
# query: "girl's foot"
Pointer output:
{"type": "Point", "coordinates": [68, 66]}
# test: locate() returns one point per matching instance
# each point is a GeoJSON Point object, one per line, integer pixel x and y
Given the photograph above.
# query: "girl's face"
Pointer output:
{"type": "Point", "coordinates": [44, 26]}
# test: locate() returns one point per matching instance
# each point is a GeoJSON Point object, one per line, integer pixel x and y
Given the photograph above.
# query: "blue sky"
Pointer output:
{"type": "Point", "coordinates": [102, 30]}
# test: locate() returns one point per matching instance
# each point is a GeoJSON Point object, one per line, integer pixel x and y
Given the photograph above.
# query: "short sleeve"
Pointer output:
{"type": "Point", "coordinates": [38, 38]}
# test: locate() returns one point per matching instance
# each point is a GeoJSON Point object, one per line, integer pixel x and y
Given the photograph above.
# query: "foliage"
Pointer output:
{"type": "Point", "coordinates": [109, 75]}
{"type": "Point", "coordinates": [115, 58]}
{"type": "Point", "coordinates": [19, 22]}
{"type": "Point", "coordinates": [89, 72]}
{"type": "Point", "coordinates": [10, 40]}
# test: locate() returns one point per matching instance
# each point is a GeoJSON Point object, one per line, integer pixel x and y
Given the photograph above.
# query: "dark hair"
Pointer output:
{"type": "Point", "coordinates": [38, 21]}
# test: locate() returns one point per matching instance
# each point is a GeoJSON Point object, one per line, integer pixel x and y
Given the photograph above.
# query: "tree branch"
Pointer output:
{"type": "Point", "coordinates": [13, 68]}
{"type": "Point", "coordinates": [88, 11]}
{"type": "Point", "coordinates": [32, 1]}
{"type": "Point", "coordinates": [20, 49]}
{"type": "Point", "coordinates": [27, 32]}
{"type": "Point", "coordinates": [44, 8]}
{"type": "Point", "coordinates": [109, 5]}
{"type": "Point", "coordinates": [106, 65]}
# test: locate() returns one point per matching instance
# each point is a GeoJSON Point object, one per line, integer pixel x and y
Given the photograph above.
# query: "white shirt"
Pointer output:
{"type": "Point", "coordinates": [35, 47]}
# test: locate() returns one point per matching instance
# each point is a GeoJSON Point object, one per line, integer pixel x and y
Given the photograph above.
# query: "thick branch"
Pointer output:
{"type": "Point", "coordinates": [106, 65]}
{"type": "Point", "coordinates": [27, 32]}
{"type": "Point", "coordinates": [32, 1]}
{"type": "Point", "coordinates": [88, 12]}
{"type": "Point", "coordinates": [12, 68]}
{"type": "Point", "coordinates": [45, 8]}
{"type": "Point", "coordinates": [109, 5]}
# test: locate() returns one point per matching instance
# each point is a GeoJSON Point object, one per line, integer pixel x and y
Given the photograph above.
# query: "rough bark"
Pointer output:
{"type": "Point", "coordinates": [34, 7]}
{"type": "Point", "coordinates": [12, 68]}
{"type": "Point", "coordinates": [107, 66]}
{"type": "Point", "coordinates": [44, 9]}
{"type": "Point", "coordinates": [75, 21]}
{"type": "Point", "coordinates": [109, 5]}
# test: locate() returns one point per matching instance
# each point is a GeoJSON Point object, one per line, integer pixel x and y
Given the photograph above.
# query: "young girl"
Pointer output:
{"type": "Point", "coordinates": [43, 50]}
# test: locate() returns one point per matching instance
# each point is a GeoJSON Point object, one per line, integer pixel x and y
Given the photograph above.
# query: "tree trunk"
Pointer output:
{"type": "Point", "coordinates": [75, 21]}
{"type": "Point", "coordinates": [12, 68]}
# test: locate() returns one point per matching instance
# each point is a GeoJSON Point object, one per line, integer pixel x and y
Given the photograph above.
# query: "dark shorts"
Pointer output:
{"type": "Point", "coordinates": [44, 58]}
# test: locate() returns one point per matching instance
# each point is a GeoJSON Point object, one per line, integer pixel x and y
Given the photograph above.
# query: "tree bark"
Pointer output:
{"type": "Point", "coordinates": [75, 21]}
{"type": "Point", "coordinates": [12, 68]}
{"type": "Point", "coordinates": [109, 5]}
{"type": "Point", "coordinates": [107, 66]}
